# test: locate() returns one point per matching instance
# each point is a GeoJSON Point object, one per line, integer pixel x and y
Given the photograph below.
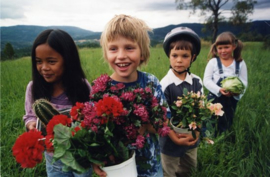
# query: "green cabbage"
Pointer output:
{"type": "Point", "coordinates": [233, 84]}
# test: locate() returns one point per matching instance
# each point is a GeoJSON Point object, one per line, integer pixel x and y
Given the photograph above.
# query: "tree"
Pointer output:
{"type": "Point", "coordinates": [240, 10]}
{"type": "Point", "coordinates": [8, 50]}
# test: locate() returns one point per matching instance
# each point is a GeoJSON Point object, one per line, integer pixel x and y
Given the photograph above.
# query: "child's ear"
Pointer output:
{"type": "Point", "coordinates": [193, 57]}
{"type": "Point", "coordinates": [142, 59]}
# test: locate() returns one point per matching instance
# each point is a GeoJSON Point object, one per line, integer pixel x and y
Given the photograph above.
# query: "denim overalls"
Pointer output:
{"type": "Point", "coordinates": [229, 103]}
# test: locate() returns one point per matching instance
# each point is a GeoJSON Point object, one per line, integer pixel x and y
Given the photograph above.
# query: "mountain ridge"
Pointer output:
{"type": "Point", "coordinates": [21, 36]}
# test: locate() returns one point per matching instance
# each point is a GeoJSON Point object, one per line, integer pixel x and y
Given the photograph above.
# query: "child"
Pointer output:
{"type": "Point", "coordinates": [226, 61]}
{"type": "Point", "coordinates": [57, 75]}
{"type": "Point", "coordinates": [125, 43]}
{"type": "Point", "coordinates": [182, 46]}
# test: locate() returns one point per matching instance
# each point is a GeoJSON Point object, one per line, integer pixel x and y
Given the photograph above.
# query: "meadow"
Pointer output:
{"type": "Point", "coordinates": [242, 151]}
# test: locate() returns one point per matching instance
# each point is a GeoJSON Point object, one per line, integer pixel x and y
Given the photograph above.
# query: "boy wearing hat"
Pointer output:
{"type": "Point", "coordinates": [179, 152]}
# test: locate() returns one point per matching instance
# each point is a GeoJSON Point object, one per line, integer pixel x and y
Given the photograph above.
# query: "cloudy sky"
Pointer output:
{"type": "Point", "coordinates": [94, 14]}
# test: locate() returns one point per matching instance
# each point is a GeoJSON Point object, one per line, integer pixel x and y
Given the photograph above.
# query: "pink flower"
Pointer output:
{"type": "Point", "coordinates": [100, 84]}
{"type": "Point", "coordinates": [131, 131]}
{"type": "Point", "coordinates": [164, 131]}
{"type": "Point", "coordinates": [128, 96]}
{"type": "Point", "coordinates": [219, 112]}
{"type": "Point", "coordinates": [154, 102]}
{"type": "Point", "coordinates": [140, 91]}
{"type": "Point", "coordinates": [139, 142]}
{"type": "Point", "coordinates": [192, 125]}
{"type": "Point", "coordinates": [141, 111]}
{"type": "Point", "coordinates": [211, 107]}
{"type": "Point", "coordinates": [117, 87]}
{"type": "Point", "coordinates": [89, 115]}
{"type": "Point", "coordinates": [148, 90]}
{"type": "Point", "coordinates": [216, 108]}
{"type": "Point", "coordinates": [178, 103]}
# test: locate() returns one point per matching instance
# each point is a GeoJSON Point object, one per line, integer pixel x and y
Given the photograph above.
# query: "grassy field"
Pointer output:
{"type": "Point", "coordinates": [243, 151]}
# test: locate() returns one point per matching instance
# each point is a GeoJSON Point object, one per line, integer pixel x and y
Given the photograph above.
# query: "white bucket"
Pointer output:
{"type": "Point", "coordinates": [180, 130]}
{"type": "Point", "coordinates": [124, 169]}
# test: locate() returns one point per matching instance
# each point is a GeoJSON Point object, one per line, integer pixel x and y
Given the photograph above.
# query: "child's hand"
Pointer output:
{"type": "Point", "coordinates": [31, 125]}
{"type": "Point", "coordinates": [146, 128]}
{"type": "Point", "coordinates": [98, 171]}
{"type": "Point", "coordinates": [182, 139]}
{"type": "Point", "coordinates": [225, 93]}
{"type": "Point", "coordinates": [186, 140]}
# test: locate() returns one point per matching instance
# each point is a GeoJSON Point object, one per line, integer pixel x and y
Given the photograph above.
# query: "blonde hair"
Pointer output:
{"type": "Point", "coordinates": [224, 39]}
{"type": "Point", "coordinates": [131, 28]}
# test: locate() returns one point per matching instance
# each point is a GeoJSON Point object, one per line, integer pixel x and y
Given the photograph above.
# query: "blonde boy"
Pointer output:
{"type": "Point", "coordinates": [126, 46]}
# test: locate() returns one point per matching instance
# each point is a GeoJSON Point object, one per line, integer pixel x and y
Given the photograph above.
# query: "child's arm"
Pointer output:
{"type": "Point", "coordinates": [29, 117]}
{"type": "Point", "coordinates": [31, 125]}
{"type": "Point", "coordinates": [147, 127]}
{"type": "Point", "coordinates": [243, 76]}
{"type": "Point", "coordinates": [183, 139]}
{"type": "Point", "coordinates": [98, 171]}
{"type": "Point", "coordinates": [208, 81]}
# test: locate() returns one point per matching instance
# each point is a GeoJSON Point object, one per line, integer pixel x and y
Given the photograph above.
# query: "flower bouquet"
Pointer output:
{"type": "Point", "coordinates": [192, 109]}
{"type": "Point", "coordinates": [105, 130]}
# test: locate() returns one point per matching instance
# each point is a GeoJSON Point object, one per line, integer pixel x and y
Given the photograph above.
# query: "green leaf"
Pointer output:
{"type": "Point", "coordinates": [185, 91]}
{"type": "Point", "coordinates": [137, 123]}
{"type": "Point", "coordinates": [62, 135]}
{"type": "Point", "coordinates": [69, 161]}
{"type": "Point", "coordinates": [123, 151]}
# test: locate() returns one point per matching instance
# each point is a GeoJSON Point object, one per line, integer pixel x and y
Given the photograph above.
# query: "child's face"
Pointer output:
{"type": "Point", "coordinates": [49, 63]}
{"type": "Point", "coordinates": [124, 57]}
{"type": "Point", "coordinates": [225, 51]}
{"type": "Point", "coordinates": [180, 59]}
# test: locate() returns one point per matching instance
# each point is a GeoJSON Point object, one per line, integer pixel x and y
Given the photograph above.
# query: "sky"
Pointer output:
{"type": "Point", "coordinates": [94, 14]}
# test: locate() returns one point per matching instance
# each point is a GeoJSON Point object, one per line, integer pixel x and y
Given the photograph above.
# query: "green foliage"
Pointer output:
{"type": "Point", "coordinates": [8, 51]}
{"type": "Point", "coordinates": [266, 42]}
{"type": "Point", "coordinates": [242, 151]}
{"type": "Point", "coordinates": [88, 45]}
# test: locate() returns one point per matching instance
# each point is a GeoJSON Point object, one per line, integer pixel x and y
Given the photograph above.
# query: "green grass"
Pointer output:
{"type": "Point", "coordinates": [243, 151]}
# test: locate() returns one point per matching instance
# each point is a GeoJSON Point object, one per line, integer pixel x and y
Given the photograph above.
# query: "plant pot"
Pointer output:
{"type": "Point", "coordinates": [127, 168]}
{"type": "Point", "coordinates": [179, 130]}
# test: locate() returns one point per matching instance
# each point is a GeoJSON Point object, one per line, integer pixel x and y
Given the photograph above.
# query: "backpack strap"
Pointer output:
{"type": "Point", "coordinates": [237, 63]}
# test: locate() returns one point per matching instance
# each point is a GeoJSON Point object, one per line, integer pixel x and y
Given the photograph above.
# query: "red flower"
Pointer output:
{"type": "Point", "coordinates": [75, 111]}
{"type": "Point", "coordinates": [28, 149]}
{"type": "Point", "coordinates": [48, 143]}
{"type": "Point", "coordinates": [83, 124]}
{"type": "Point", "coordinates": [109, 107]}
{"type": "Point", "coordinates": [57, 119]}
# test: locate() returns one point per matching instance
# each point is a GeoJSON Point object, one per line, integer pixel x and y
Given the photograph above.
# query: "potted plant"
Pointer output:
{"type": "Point", "coordinates": [191, 110]}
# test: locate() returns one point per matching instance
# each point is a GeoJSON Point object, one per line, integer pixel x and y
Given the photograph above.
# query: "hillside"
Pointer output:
{"type": "Point", "coordinates": [256, 27]}
{"type": "Point", "coordinates": [22, 36]}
